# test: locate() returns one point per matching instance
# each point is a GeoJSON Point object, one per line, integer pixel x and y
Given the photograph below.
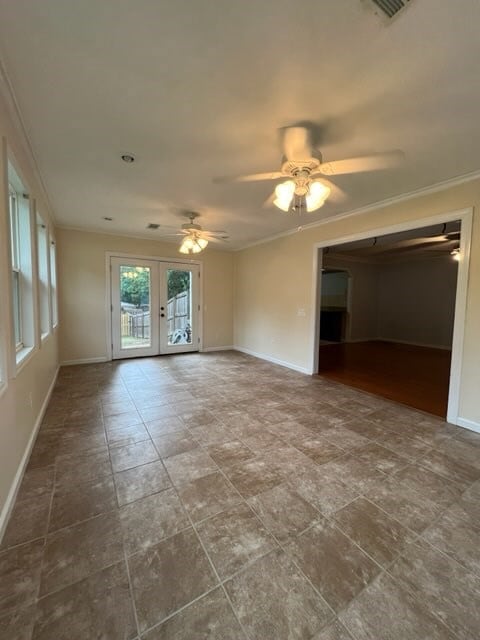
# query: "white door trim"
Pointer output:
{"type": "Point", "coordinates": [108, 293]}
{"type": "Point", "coordinates": [165, 347]}
{"type": "Point", "coordinates": [466, 218]}
{"type": "Point", "coordinates": [137, 352]}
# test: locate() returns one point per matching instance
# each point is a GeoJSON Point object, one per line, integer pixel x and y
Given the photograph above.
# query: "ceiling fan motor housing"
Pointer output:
{"type": "Point", "coordinates": [300, 173]}
{"type": "Point", "coordinates": [191, 226]}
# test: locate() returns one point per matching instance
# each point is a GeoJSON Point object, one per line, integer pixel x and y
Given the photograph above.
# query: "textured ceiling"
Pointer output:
{"type": "Point", "coordinates": [197, 89]}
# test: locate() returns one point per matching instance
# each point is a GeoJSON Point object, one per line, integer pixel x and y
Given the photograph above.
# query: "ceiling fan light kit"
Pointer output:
{"type": "Point", "coordinates": [312, 195]}
{"type": "Point", "coordinates": [305, 187]}
{"type": "Point", "coordinates": [194, 238]}
{"type": "Point", "coordinates": [192, 244]}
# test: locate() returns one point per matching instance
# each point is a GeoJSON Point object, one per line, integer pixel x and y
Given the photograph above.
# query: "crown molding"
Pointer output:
{"type": "Point", "coordinates": [137, 236]}
{"type": "Point", "coordinates": [11, 103]}
{"type": "Point", "coordinates": [388, 202]}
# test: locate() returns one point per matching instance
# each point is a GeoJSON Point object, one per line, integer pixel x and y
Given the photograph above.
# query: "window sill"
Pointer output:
{"type": "Point", "coordinates": [23, 356]}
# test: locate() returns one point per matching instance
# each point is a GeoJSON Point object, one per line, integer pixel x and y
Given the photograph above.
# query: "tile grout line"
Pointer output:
{"type": "Point", "coordinates": [219, 583]}
{"type": "Point", "coordinates": [127, 568]}
{"type": "Point", "coordinates": [221, 470]}
{"type": "Point", "coordinates": [130, 588]}
{"type": "Point", "coordinates": [44, 550]}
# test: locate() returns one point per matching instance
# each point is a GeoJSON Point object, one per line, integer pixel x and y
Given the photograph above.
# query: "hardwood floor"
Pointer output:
{"type": "Point", "coordinates": [415, 376]}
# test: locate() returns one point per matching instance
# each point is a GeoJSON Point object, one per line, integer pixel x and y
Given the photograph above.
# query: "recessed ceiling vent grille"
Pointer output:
{"type": "Point", "coordinates": [391, 7]}
{"type": "Point", "coordinates": [153, 225]}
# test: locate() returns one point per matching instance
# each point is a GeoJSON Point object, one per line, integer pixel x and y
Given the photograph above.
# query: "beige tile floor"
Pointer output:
{"type": "Point", "coordinates": [216, 496]}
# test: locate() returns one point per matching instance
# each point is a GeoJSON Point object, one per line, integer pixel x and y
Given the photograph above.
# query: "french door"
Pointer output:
{"type": "Point", "coordinates": [154, 306]}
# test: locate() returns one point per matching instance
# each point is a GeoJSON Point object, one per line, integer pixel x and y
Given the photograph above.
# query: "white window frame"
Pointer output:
{"type": "Point", "coordinates": [53, 281]}
{"type": "Point", "coordinates": [15, 268]}
{"type": "Point", "coordinates": [5, 275]}
{"type": "Point", "coordinates": [43, 270]}
{"type": "Point", "coordinates": [22, 261]}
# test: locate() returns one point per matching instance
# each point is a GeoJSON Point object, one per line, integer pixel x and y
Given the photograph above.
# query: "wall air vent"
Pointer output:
{"type": "Point", "coordinates": [391, 7]}
{"type": "Point", "coordinates": [153, 225]}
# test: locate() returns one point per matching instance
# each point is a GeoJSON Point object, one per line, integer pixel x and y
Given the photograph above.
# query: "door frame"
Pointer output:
{"type": "Point", "coordinates": [466, 218]}
{"type": "Point", "coordinates": [108, 292]}
{"type": "Point", "coordinates": [164, 347]}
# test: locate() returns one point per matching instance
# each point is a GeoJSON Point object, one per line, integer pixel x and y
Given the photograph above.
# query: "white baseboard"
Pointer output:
{"type": "Point", "coordinates": [468, 424]}
{"type": "Point", "coordinates": [227, 348]}
{"type": "Point", "coordinates": [282, 363]}
{"type": "Point", "coordinates": [12, 494]}
{"type": "Point", "coordinates": [65, 363]}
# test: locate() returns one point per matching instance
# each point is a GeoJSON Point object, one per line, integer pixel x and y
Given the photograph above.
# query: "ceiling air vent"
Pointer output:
{"type": "Point", "coordinates": [391, 7]}
{"type": "Point", "coordinates": [153, 225]}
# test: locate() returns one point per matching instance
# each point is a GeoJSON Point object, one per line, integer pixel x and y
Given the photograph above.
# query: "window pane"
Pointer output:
{"type": "Point", "coordinates": [17, 320]}
{"type": "Point", "coordinates": [42, 255]}
{"type": "Point", "coordinates": [14, 228]}
{"type": "Point", "coordinates": [179, 306]}
{"type": "Point", "coordinates": [53, 282]}
{"type": "Point", "coordinates": [22, 273]}
{"type": "Point", "coordinates": [135, 306]}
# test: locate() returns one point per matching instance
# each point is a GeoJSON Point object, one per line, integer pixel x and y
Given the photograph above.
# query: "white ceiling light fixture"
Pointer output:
{"type": "Point", "coordinates": [194, 237]}
{"type": "Point", "coordinates": [284, 193]}
{"type": "Point", "coordinates": [307, 187]}
{"type": "Point", "coordinates": [302, 193]}
{"type": "Point", "coordinates": [193, 243]}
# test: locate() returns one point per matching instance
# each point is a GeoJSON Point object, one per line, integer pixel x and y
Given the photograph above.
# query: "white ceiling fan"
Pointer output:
{"type": "Point", "coordinates": [306, 187]}
{"type": "Point", "coordinates": [194, 237]}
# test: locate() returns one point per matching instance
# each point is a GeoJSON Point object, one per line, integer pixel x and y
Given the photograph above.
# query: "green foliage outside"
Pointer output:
{"type": "Point", "coordinates": [178, 282]}
{"type": "Point", "coordinates": [135, 284]}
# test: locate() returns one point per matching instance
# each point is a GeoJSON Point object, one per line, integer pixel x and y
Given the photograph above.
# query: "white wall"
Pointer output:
{"type": "Point", "coordinates": [416, 301]}
{"type": "Point", "coordinates": [23, 392]}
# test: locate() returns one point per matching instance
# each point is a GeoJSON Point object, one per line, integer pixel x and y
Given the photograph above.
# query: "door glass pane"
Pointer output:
{"type": "Point", "coordinates": [135, 306]}
{"type": "Point", "coordinates": [179, 306]}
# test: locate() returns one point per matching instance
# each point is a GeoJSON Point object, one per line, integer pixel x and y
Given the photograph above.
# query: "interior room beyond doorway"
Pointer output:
{"type": "Point", "coordinates": [387, 315]}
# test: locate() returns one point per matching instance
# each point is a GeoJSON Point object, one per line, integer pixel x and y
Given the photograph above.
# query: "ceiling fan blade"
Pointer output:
{"type": "Point", "coordinates": [269, 201]}
{"type": "Point", "coordinates": [254, 177]}
{"type": "Point", "coordinates": [169, 235]}
{"type": "Point", "coordinates": [297, 145]}
{"type": "Point", "coordinates": [362, 163]}
{"type": "Point", "coordinates": [218, 239]}
{"type": "Point", "coordinates": [213, 234]}
{"type": "Point", "coordinates": [336, 194]}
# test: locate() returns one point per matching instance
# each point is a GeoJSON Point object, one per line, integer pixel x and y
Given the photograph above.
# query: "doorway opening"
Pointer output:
{"type": "Point", "coordinates": [399, 332]}
{"type": "Point", "coordinates": [334, 305]}
{"type": "Point", "coordinates": [154, 307]}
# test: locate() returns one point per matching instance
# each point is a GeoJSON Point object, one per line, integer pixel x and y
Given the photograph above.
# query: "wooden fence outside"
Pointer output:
{"type": "Point", "coordinates": [178, 314]}
{"type": "Point", "coordinates": [135, 323]}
